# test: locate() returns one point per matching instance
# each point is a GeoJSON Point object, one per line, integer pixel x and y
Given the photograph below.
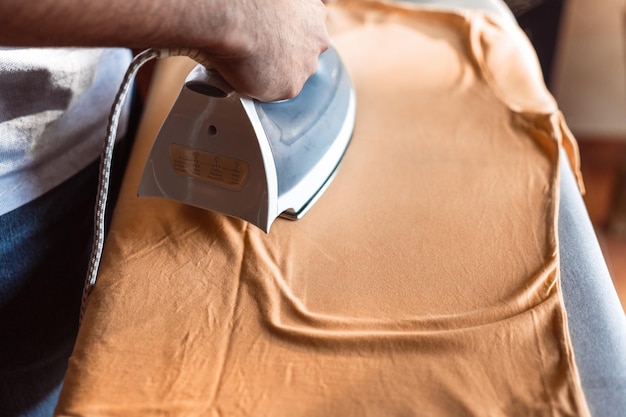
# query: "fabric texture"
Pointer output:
{"type": "Point", "coordinates": [425, 281]}
{"type": "Point", "coordinates": [54, 107]}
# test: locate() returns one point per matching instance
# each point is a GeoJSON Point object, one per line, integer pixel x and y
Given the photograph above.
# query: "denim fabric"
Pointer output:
{"type": "Point", "coordinates": [596, 319]}
{"type": "Point", "coordinates": [45, 247]}
{"type": "Point", "coordinates": [44, 253]}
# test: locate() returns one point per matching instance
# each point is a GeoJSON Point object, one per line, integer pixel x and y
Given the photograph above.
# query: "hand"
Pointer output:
{"type": "Point", "coordinates": [266, 49]}
{"type": "Point", "coordinates": [273, 46]}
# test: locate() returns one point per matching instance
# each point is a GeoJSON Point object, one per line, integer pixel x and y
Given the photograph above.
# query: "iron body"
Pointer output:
{"type": "Point", "coordinates": [256, 161]}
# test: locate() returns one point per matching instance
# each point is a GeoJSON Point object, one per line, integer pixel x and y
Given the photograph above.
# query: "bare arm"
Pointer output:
{"type": "Point", "coordinates": [264, 48]}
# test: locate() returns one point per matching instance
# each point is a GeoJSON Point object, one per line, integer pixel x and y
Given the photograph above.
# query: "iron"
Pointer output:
{"type": "Point", "coordinates": [221, 151]}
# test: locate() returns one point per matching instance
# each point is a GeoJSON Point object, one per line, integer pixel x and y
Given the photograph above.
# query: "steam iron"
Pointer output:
{"type": "Point", "coordinates": [224, 152]}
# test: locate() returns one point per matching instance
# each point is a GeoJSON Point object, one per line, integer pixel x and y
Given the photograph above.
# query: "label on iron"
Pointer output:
{"type": "Point", "coordinates": [209, 167]}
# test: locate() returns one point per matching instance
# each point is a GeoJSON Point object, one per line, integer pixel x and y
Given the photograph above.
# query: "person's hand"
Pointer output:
{"type": "Point", "coordinates": [272, 47]}
{"type": "Point", "coordinates": [266, 49]}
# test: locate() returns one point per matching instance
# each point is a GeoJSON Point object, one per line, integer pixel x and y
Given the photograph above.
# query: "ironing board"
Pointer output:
{"type": "Point", "coordinates": [113, 350]}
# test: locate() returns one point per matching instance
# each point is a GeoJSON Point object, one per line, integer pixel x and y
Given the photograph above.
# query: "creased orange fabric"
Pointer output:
{"type": "Point", "coordinates": [424, 282]}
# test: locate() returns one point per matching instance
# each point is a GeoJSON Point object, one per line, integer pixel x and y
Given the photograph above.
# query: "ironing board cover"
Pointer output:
{"type": "Point", "coordinates": [424, 282]}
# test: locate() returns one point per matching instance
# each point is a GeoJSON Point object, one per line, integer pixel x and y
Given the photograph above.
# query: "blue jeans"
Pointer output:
{"type": "Point", "coordinates": [45, 247]}
{"type": "Point", "coordinates": [44, 254]}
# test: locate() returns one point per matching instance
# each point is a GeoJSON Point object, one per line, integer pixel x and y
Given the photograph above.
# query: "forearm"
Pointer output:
{"type": "Point", "coordinates": [128, 23]}
{"type": "Point", "coordinates": [263, 48]}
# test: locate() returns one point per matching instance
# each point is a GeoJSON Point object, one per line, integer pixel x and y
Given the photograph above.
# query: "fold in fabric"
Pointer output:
{"type": "Point", "coordinates": [425, 281]}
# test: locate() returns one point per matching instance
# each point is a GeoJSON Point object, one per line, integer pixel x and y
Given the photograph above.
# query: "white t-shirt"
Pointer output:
{"type": "Point", "coordinates": [54, 106]}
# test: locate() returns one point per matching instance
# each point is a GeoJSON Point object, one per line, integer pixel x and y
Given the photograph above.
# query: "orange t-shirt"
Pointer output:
{"type": "Point", "coordinates": [425, 281]}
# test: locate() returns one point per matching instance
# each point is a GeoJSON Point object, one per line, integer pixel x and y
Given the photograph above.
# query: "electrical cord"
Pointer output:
{"type": "Point", "coordinates": [106, 156]}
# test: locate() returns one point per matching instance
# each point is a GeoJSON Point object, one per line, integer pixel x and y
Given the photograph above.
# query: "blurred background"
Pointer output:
{"type": "Point", "coordinates": [581, 47]}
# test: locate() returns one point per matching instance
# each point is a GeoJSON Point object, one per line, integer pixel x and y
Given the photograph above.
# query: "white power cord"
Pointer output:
{"type": "Point", "coordinates": [107, 155]}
